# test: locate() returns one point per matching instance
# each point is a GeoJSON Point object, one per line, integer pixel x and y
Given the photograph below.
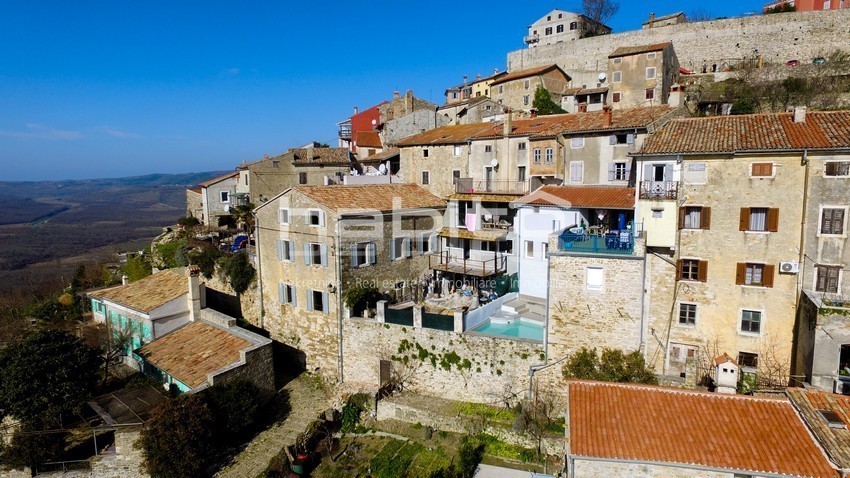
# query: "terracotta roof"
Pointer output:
{"type": "Point", "coordinates": [193, 351]}
{"type": "Point", "coordinates": [147, 294]}
{"type": "Point", "coordinates": [367, 139]}
{"type": "Point", "coordinates": [485, 197]}
{"type": "Point", "coordinates": [592, 91]}
{"type": "Point", "coordinates": [760, 132]}
{"type": "Point", "coordinates": [603, 197]}
{"type": "Point", "coordinates": [382, 156]}
{"type": "Point", "coordinates": [455, 134]}
{"type": "Point", "coordinates": [662, 425]}
{"type": "Point", "coordinates": [319, 155]}
{"type": "Point", "coordinates": [380, 197]}
{"type": "Point", "coordinates": [723, 359]}
{"type": "Point", "coordinates": [518, 75]}
{"type": "Point", "coordinates": [634, 50]}
{"type": "Point", "coordinates": [219, 179]}
{"type": "Point", "coordinates": [554, 125]}
{"type": "Point", "coordinates": [836, 441]}
{"type": "Point", "coordinates": [195, 190]}
{"type": "Point", "coordinates": [489, 235]}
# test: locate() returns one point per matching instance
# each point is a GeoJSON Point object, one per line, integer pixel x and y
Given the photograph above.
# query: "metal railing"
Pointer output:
{"type": "Point", "coordinates": [345, 132]}
{"type": "Point", "coordinates": [448, 262]}
{"type": "Point", "coordinates": [658, 189]}
{"type": "Point", "coordinates": [619, 243]}
{"type": "Point", "coordinates": [531, 38]}
{"type": "Point", "coordinates": [493, 186]}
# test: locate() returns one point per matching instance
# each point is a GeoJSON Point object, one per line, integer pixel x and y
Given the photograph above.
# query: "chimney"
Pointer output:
{"type": "Point", "coordinates": [800, 114]}
{"type": "Point", "coordinates": [356, 110]}
{"type": "Point", "coordinates": [651, 19]}
{"type": "Point", "coordinates": [194, 273]}
{"type": "Point", "coordinates": [533, 112]}
{"type": "Point", "coordinates": [125, 280]}
{"type": "Point", "coordinates": [395, 94]}
{"type": "Point", "coordinates": [606, 116]}
{"type": "Point", "coordinates": [495, 71]}
{"type": "Point", "coordinates": [582, 107]}
{"type": "Point", "coordinates": [478, 77]}
{"type": "Point", "coordinates": [508, 122]}
{"type": "Point", "coordinates": [408, 101]}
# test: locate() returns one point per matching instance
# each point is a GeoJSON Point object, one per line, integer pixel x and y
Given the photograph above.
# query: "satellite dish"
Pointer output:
{"type": "Point", "coordinates": [494, 163]}
{"type": "Point", "coordinates": [382, 168]}
{"type": "Point", "coordinates": [374, 122]}
{"type": "Point", "coordinates": [603, 77]}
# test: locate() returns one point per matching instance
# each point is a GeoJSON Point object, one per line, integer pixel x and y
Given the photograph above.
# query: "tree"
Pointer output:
{"type": "Point", "coordinates": [31, 447]}
{"type": "Point", "coordinates": [238, 270]}
{"type": "Point", "coordinates": [700, 15]}
{"type": "Point", "coordinates": [235, 406]}
{"type": "Point", "coordinates": [114, 342]}
{"type": "Point", "coordinates": [543, 103]}
{"type": "Point", "coordinates": [599, 12]}
{"type": "Point", "coordinates": [611, 366]}
{"type": "Point", "coordinates": [137, 267]}
{"type": "Point", "coordinates": [244, 216]}
{"type": "Point", "coordinates": [49, 374]}
{"type": "Point", "coordinates": [178, 441]}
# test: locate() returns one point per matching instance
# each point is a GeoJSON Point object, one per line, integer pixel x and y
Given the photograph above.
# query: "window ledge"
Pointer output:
{"type": "Point", "coordinates": [754, 286]}
{"type": "Point", "coordinates": [758, 232]}
{"type": "Point", "coordinates": [753, 335]}
{"type": "Point", "coordinates": [832, 236]}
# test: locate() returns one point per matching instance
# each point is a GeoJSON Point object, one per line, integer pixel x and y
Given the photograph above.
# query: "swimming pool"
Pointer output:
{"type": "Point", "coordinates": [519, 328]}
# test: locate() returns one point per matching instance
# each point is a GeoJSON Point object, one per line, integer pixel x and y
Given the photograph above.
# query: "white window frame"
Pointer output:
{"type": "Point", "coordinates": [525, 251]}
{"type": "Point", "coordinates": [650, 55]}
{"type": "Point", "coordinates": [537, 156]}
{"type": "Point", "coordinates": [687, 179]}
{"type": "Point", "coordinates": [741, 321]}
{"type": "Point", "coordinates": [820, 220]}
{"type": "Point", "coordinates": [309, 215]}
{"type": "Point", "coordinates": [577, 142]}
{"type": "Point", "coordinates": [425, 177]}
{"type": "Point", "coordinates": [617, 77]}
{"type": "Point", "coordinates": [288, 292]}
{"type": "Point", "coordinates": [456, 151]}
{"type": "Point", "coordinates": [488, 148]}
{"type": "Point", "coordinates": [224, 196]}
{"type": "Point", "coordinates": [544, 246]}
{"type": "Point", "coordinates": [403, 252]}
{"type": "Point", "coordinates": [581, 179]}
{"type": "Point", "coordinates": [679, 314]}
{"type": "Point", "coordinates": [550, 155]}
{"type": "Point", "coordinates": [625, 168]}
{"type": "Point", "coordinates": [649, 70]}
{"type": "Point", "coordinates": [522, 146]}
{"type": "Point", "coordinates": [312, 257]}
{"type": "Point", "coordinates": [286, 251]}
{"type": "Point", "coordinates": [526, 84]}
{"type": "Point", "coordinates": [587, 276]}
{"type": "Point", "coordinates": [369, 251]}
{"type": "Point", "coordinates": [618, 60]}
{"type": "Point", "coordinates": [525, 100]}
{"type": "Point", "coordinates": [836, 175]}
{"type": "Point", "coordinates": [750, 223]}
{"type": "Point", "coordinates": [284, 215]}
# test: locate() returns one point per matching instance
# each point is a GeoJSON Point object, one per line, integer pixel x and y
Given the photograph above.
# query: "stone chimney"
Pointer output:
{"type": "Point", "coordinates": [606, 116]}
{"type": "Point", "coordinates": [508, 122]}
{"type": "Point", "coordinates": [478, 77]}
{"type": "Point", "coordinates": [125, 280]}
{"type": "Point", "coordinates": [194, 273]}
{"type": "Point", "coordinates": [495, 71]}
{"type": "Point", "coordinates": [800, 114]}
{"type": "Point", "coordinates": [533, 112]}
{"type": "Point", "coordinates": [356, 110]}
{"type": "Point", "coordinates": [408, 101]}
{"type": "Point", "coordinates": [651, 19]}
{"type": "Point", "coordinates": [395, 94]}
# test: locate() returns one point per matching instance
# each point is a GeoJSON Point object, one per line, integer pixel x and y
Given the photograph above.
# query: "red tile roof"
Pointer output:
{"type": "Point", "coordinates": [149, 293]}
{"type": "Point", "coordinates": [518, 75]}
{"type": "Point", "coordinates": [836, 441]}
{"type": "Point", "coordinates": [760, 132]}
{"type": "Point", "coordinates": [219, 179]}
{"type": "Point", "coordinates": [603, 197]}
{"type": "Point", "coordinates": [380, 197]}
{"type": "Point", "coordinates": [662, 425]}
{"type": "Point", "coordinates": [318, 155]}
{"type": "Point", "coordinates": [456, 134]}
{"type": "Point", "coordinates": [367, 139]}
{"type": "Point", "coordinates": [634, 50]}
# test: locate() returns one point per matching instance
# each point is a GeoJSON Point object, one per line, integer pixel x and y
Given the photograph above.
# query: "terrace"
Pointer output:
{"type": "Point", "coordinates": [583, 242]}
{"type": "Point", "coordinates": [490, 186]}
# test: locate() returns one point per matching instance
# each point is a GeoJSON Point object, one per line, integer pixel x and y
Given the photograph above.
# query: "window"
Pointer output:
{"type": "Point", "coordinates": [455, 175]}
{"type": "Point", "coordinates": [424, 153]}
{"type": "Point", "coordinates": [529, 249]}
{"type": "Point", "coordinates": [694, 217]}
{"type": "Point", "coordinates": [545, 246]}
{"type": "Point", "coordinates": [525, 100]}
{"type": "Point", "coordinates": [595, 278]}
{"type": "Point", "coordinates": [456, 151]}
{"type": "Point", "coordinates": [595, 99]}
{"type": "Point", "coordinates": [650, 93]}
{"type": "Point", "coordinates": [560, 28]}
{"type": "Point", "coordinates": [550, 156]}
{"type": "Point", "coordinates": [315, 218]}
{"type": "Point", "coordinates": [286, 293]}
{"type": "Point", "coordinates": [650, 73]}
{"type": "Point", "coordinates": [549, 18]}
{"type": "Point", "coordinates": [527, 84]}
{"type": "Point", "coordinates": [283, 216]}
{"type": "Point", "coordinates": [692, 269]}
{"type": "Point", "coordinates": [748, 360]}
{"type": "Point", "coordinates": [426, 178]}
{"type": "Point", "coordinates": [501, 88]}
{"type": "Point", "coordinates": [750, 321]}
{"type": "Point", "coordinates": [573, 25]}
{"type": "Point", "coordinates": [560, 15]}
{"type": "Point", "coordinates": [315, 254]}
{"type": "Point", "coordinates": [837, 168]}
{"type": "Point", "coordinates": [756, 274]}
{"type": "Point", "coordinates": [759, 219]}
{"type": "Point", "coordinates": [506, 246]}
{"type": "Point", "coordinates": [548, 30]}
{"type": "Point", "coordinates": [302, 178]}
{"type": "Point", "coordinates": [488, 148]}
{"type": "Point", "coordinates": [577, 171]}
{"type": "Point", "coordinates": [317, 301]}
{"type": "Point", "coordinates": [363, 254]}
{"type": "Point", "coordinates": [521, 146]}
{"type": "Point", "coordinates": [617, 61]}
{"type": "Point", "coordinates": [761, 170]}
{"type": "Point", "coordinates": [225, 196]}
{"type": "Point", "coordinates": [536, 155]}
{"type": "Point", "coordinates": [826, 278]}
{"type": "Point", "coordinates": [576, 143]}
{"type": "Point", "coordinates": [616, 97]}
{"type": "Point", "coordinates": [617, 77]}
{"type": "Point", "coordinates": [275, 165]}
{"type": "Point", "coordinates": [427, 243]}
{"type": "Point", "coordinates": [832, 221]}
{"type": "Point", "coordinates": [400, 248]}
{"type": "Point", "coordinates": [620, 171]}
{"type": "Point", "coordinates": [650, 55]}
{"type": "Point", "coordinates": [687, 314]}
{"type": "Point", "coordinates": [623, 138]}
{"type": "Point", "coordinates": [520, 173]}
{"type": "Point", "coordinates": [454, 95]}
{"type": "Point", "coordinates": [285, 250]}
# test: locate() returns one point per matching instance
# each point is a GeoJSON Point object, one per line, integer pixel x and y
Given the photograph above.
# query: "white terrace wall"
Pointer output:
{"type": "Point", "coordinates": [778, 38]}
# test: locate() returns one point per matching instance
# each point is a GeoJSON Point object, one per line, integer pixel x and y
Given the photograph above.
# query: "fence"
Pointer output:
{"type": "Point", "coordinates": [399, 316]}
{"type": "Point", "coordinates": [476, 317]}
{"type": "Point", "coordinates": [438, 321]}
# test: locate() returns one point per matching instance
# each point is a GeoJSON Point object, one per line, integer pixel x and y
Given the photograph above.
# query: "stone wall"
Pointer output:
{"type": "Point", "coordinates": [194, 205]}
{"type": "Point", "coordinates": [412, 123]}
{"type": "Point", "coordinates": [777, 37]}
{"type": "Point", "coordinates": [439, 163]}
{"type": "Point", "coordinates": [592, 469]}
{"type": "Point", "coordinates": [821, 331]}
{"type": "Point", "coordinates": [126, 461]}
{"type": "Point", "coordinates": [257, 367]}
{"type": "Point", "coordinates": [455, 366]}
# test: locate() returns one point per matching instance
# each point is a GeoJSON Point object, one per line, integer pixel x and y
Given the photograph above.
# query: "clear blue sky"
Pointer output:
{"type": "Point", "coordinates": [114, 88]}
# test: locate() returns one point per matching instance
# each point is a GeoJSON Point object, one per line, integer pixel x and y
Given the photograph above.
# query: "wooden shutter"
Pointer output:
{"type": "Point", "coordinates": [323, 250]}
{"type": "Point", "coordinates": [612, 139]}
{"type": "Point", "coordinates": [371, 253]}
{"type": "Point", "coordinates": [325, 303]}
{"type": "Point", "coordinates": [630, 138]}
{"type": "Point", "coordinates": [744, 222]}
{"type": "Point", "coordinates": [702, 271]}
{"type": "Point", "coordinates": [682, 212]}
{"type": "Point", "coordinates": [705, 218]}
{"type": "Point", "coordinates": [668, 172]}
{"type": "Point", "coordinates": [611, 171]}
{"type": "Point", "coordinates": [279, 250]}
{"type": "Point", "coordinates": [773, 219]}
{"type": "Point", "coordinates": [309, 299]}
{"type": "Point", "coordinates": [290, 253]}
{"type": "Point", "coordinates": [832, 279]}
{"type": "Point", "coordinates": [392, 248]}
{"type": "Point", "coordinates": [820, 281]}
{"type": "Point", "coordinates": [280, 293]}
{"type": "Point", "coordinates": [354, 262]}
{"type": "Point", "coordinates": [647, 172]}
{"type": "Point", "coordinates": [294, 298]}
{"type": "Point", "coordinates": [307, 256]}
{"type": "Point", "coordinates": [679, 269]}
{"type": "Point", "coordinates": [768, 275]}
{"type": "Point", "coordinates": [838, 221]}
{"type": "Point", "coordinates": [405, 247]}
{"type": "Point", "coordinates": [741, 273]}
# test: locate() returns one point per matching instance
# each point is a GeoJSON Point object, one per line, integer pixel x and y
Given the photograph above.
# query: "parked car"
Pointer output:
{"type": "Point", "coordinates": [819, 61]}
{"type": "Point", "coordinates": [792, 63]}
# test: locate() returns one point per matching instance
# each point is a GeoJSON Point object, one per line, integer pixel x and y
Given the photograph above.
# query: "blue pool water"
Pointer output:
{"type": "Point", "coordinates": [515, 328]}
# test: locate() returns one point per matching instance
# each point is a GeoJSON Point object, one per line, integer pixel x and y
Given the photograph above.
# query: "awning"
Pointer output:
{"type": "Point", "coordinates": [481, 235]}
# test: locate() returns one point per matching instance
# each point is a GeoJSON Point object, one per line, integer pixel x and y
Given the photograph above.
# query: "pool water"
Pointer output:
{"type": "Point", "coordinates": [516, 328]}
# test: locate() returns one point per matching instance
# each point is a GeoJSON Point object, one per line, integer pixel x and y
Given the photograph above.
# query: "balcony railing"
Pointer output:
{"type": "Point", "coordinates": [493, 186]}
{"type": "Point", "coordinates": [618, 243]}
{"type": "Point", "coordinates": [658, 189]}
{"type": "Point", "coordinates": [448, 262]}
{"type": "Point", "coordinates": [531, 38]}
{"type": "Point", "coordinates": [345, 132]}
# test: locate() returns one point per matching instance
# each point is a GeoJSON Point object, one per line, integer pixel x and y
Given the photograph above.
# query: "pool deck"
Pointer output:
{"type": "Point", "coordinates": [526, 309]}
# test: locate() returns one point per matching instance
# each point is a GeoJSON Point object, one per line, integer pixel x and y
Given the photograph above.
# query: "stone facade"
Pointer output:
{"type": "Point", "coordinates": [777, 38]}
{"type": "Point", "coordinates": [559, 26]}
{"type": "Point", "coordinates": [195, 204]}
{"type": "Point", "coordinates": [265, 179]}
{"type": "Point", "coordinates": [412, 123]}
{"type": "Point", "coordinates": [403, 105]}
{"type": "Point", "coordinates": [440, 163]}
{"type": "Point", "coordinates": [218, 198]}
{"type": "Point", "coordinates": [126, 461]}
{"type": "Point", "coordinates": [518, 94]}
{"type": "Point", "coordinates": [476, 110]}
{"type": "Point", "coordinates": [638, 74]}
{"type": "Point", "coordinates": [584, 468]}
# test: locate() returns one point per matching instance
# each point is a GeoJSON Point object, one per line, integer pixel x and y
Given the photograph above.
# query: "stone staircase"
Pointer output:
{"type": "Point", "coordinates": [521, 307]}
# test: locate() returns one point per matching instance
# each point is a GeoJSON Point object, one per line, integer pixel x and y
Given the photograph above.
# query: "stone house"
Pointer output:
{"type": "Point", "coordinates": [515, 90]}
{"type": "Point", "coordinates": [559, 26]}
{"type": "Point", "coordinates": [641, 75]}
{"type": "Point", "coordinates": [475, 110]}
{"type": "Point", "coordinates": [194, 203]}
{"type": "Point", "coordinates": [369, 143]}
{"type": "Point", "coordinates": [475, 89]}
{"type": "Point", "coordinates": [218, 196]}
{"type": "Point", "coordinates": [415, 122]}
{"type": "Point", "coordinates": [724, 215]}
{"type": "Point", "coordinates": [317, 243]}
{"type": "Point", "coordinates": [643, 431]}
{"type": "Point", "coordinates": [665, 20]}
{"type": "Point", "coordinates": [366, 120]}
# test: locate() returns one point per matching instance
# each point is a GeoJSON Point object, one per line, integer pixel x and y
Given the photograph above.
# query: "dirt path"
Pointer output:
{"type": "Point", "coordinates": [307, 401]}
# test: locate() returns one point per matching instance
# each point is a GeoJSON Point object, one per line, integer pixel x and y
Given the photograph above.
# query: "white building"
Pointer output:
{"type": "Point", "coordinates": [561, 26]}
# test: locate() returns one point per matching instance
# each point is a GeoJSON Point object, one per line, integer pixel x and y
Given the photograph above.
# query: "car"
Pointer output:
{"type": "Point", "coordinates": [819, 61]}
{"type": "Point", "coordinates": [792, 63]}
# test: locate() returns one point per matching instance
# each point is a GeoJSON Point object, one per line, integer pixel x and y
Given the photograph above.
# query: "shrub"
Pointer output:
{"type": "Point", "coordinates": [137, 267]}
{"type": "Point", "coordinates": [188, 221]}
{"type": "Point", "coordinates": [205, 258]}
{"type": "Point", "coordinates": [178, 441]}
{"type": "Point", "coordinates": [354, 406]}
{"type": "Point", "coordinates": [543, 103]}
{"type": "Point", "coordinates": [238, 270]}
{"type": "Point", "coordinates": [611, 366]}
{"type": "Point", "coordinates": [235, 406]}
{"type": "Point", "coordinates": [360, 296]}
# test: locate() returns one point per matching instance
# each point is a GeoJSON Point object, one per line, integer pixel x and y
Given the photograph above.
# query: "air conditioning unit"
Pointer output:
{"type": "Point", "coordinates": [789, 267]}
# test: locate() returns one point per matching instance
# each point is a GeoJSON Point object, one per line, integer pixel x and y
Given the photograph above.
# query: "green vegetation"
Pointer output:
{"type": "Point", "coordinates": [238, 271]}
{"type": "Point", "coordinates": [360, 296]}
{"type": "Point", "coordinates": [543, 103]}
{"type": "Point", "coordinates": [351, 411]}
{"type": "Point", "coordinates": [611, 366]}
{"type": "Point", "coordinates": [178, 441]}
{"type": "Point", "coordinates": [137, 267]}
{"type": "Point", "coordinates": [234, 405]}
{"type": "Point", "coordinates": [784, 8]}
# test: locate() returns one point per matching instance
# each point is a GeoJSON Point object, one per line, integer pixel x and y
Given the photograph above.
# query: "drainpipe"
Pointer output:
{"type": "Point", "coordinates": [805, 163]}
{"type": "Point", "coordinates": [339, 296]}
{"type": "Point", "coordinates": [259, 268]}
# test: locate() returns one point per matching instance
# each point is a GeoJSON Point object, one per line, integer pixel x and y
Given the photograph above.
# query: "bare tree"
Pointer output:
{"type": "Point", "coordinates": [599, 12]}
{"type": "Point", "coordinates": [114, 342]}
{"type": "Point", "coordinates": [700, 15]}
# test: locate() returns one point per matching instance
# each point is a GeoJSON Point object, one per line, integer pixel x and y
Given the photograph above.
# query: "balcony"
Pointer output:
{"type": "Point", "coordinates": [617, 243]}
{"type": "Point", "coordinates": [484, 186]}
{"type": "Point", "coordinates": [659, 189]}
{"type": "Point", "coordinates": [448, 262]}
{"type": "Point", "coordinates": [345, 131]}
{"type": "Point", "coordinates": [531, 39]}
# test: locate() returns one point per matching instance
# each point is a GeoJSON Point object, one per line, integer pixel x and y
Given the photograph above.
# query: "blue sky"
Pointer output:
{"type": "Point", "coordinates": [94, 89]}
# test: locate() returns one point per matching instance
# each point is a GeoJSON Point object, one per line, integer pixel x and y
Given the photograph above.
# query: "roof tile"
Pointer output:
{"type": "Point", "coordinates": [380, 197]}
{"type": "Point", "coordinates": [634, 50]}
{"type": "Point", "coordinates": [581, 196]}
{"type": "Point", "coordinates": [520, 74]}
{"type": "Point", "coordinates": [147, 294]}
{"type": "Point", "coordinates": [367, 139]}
